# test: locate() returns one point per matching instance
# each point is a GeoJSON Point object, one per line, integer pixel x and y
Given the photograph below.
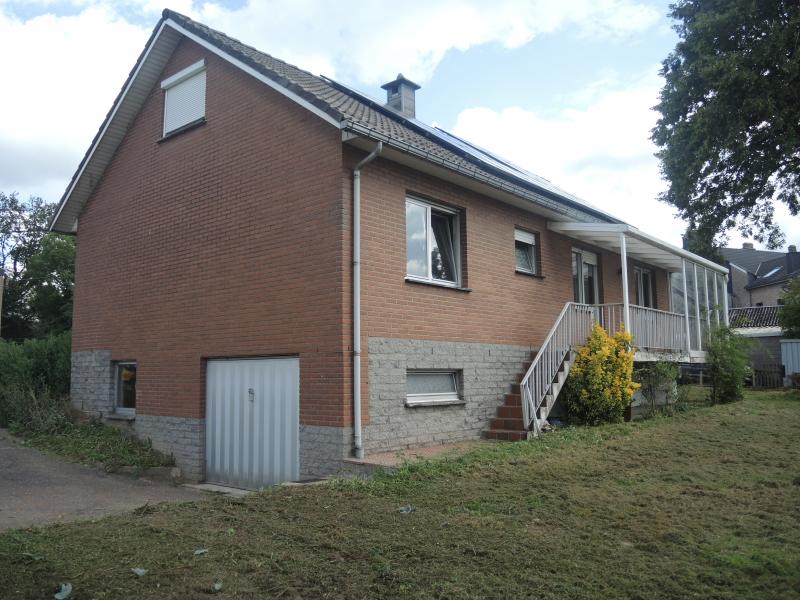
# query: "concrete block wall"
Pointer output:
{"type": "Point", "coordinates": [183, 437]}
{"type": "Point", "coordinates": [92, 382]}
{"type": "Point", "coordinates": [487, 372]}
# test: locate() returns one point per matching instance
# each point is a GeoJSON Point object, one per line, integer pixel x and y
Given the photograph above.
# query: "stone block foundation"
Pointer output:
{"type": "Point", "coordinates": [487, 371]}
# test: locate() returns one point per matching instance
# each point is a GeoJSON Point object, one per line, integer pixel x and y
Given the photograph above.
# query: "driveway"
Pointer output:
{"type": "Point", "coordinates": [37, 489]}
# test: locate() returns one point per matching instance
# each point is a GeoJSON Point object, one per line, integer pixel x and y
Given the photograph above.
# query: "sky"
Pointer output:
{"type": "Point", "coordinates": [564, 89]}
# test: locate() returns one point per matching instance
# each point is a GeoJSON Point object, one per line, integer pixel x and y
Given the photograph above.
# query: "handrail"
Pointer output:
{"type": "Point", "coordinates": [653, 330]}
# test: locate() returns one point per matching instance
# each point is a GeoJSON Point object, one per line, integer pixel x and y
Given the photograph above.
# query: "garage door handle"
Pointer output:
{"type": "Point", "coordinates": [251, 394]}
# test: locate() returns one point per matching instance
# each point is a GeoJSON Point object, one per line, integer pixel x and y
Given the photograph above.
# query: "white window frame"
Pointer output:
{"type": "Point", "coordinates": [638, 281]}
{"type": "Point", "coordinates": [179, 77]}
{"type": "Point", "coordinates": [121, 410]}
{"type": "Point", "coordinates": [435, 398]}
{"type": "Point", "coordinates": [529, 238]}
{"type": "Point", "coordinates": [429, 206]}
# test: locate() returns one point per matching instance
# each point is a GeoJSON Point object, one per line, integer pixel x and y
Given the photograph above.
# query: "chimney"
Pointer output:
{"type": "Point", "coordinates": [747, 245]}
{"type": "Point", "coordinates": [792, 259]}
{"type": "Point", "coordinates": [400, 95]}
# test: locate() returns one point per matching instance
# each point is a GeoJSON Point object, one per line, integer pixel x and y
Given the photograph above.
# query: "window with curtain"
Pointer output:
{"type": "Point", "coordinates": [432, 243]}
{"type": "Point", "coordinates": [525, 250]}
{"type": "Point", "coordinates": [643, 287]}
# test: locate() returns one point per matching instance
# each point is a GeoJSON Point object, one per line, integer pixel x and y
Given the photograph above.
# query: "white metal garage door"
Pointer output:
{"type": "Point", "coordinates": [252, 421]}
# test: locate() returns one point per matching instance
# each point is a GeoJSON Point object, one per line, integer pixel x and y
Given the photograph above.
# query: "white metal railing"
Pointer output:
{"type": "Point", "coordinates": [653, 331]}
{"type": "Point", "coordinates": [572, 327]}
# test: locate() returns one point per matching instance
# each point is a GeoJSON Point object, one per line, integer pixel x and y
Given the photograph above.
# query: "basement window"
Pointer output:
{"type": "Point", "coordinates": [426, 388]}
{"type": "Point", "coordinates": [185, 98]}
{"type": "Point", "coordinates": [125, 402]}
{"type": "Point", "coordinates": [525, 250]}
{"type": "Point", "coordinates": [432, 243]}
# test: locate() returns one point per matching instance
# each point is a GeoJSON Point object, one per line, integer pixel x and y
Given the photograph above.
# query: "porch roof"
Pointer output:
{"type": "Point", "coordinates": [639, 245]}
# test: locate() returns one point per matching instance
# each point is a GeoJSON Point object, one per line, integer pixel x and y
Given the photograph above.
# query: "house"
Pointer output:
{"type": "Point", "coordinates": [276, 273]}
{"type": "Point", "coordinates": [758, 277]}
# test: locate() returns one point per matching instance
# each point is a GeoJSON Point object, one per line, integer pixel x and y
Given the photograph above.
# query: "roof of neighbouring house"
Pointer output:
{"type": "Point", "coordinates": [749, 259]}
{"type": "Point", "coordinates": [348, 109]}
{"type": "Point", "coordinates": [754, 316]}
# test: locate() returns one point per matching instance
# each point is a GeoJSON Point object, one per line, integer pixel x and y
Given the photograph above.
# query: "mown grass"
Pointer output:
{"type": "Point", "coordinates": [703, 504]}
{"type": "Point", "coordinates": [93, 442]}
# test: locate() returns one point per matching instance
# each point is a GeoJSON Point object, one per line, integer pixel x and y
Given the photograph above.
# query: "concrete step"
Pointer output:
{"type": "Point", "coordinates": [507, 424]}
{"type": "Point", "coordinates": [505, 435]}
{"type": "Point", "coordinates": [510, 412]}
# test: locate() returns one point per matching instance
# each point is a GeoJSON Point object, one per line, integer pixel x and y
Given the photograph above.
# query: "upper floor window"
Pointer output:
{"type": "Point", "coordinates": [432, 243]}
{"type": "Point", "coordinates": [525, 249]}
{"type": "Point", "coordinates": [185, 97]}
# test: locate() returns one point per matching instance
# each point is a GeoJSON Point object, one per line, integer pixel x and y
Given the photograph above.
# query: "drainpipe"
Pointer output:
{"type": "Point", "coordinates": [357, 442]}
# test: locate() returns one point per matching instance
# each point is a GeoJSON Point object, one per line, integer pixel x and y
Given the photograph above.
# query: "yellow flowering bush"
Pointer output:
{"type": "Point", "coordinates": [600, 384]}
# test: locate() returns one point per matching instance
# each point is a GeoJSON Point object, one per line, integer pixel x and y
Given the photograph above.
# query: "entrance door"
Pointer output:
{"type": "Point", "coordinates": [584, 276]}
{"type": "Point", "coordinates": [252, 421]}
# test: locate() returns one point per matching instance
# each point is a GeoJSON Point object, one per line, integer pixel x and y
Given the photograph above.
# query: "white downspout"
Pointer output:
{"type": "Point", "coordinates": [357, 441]}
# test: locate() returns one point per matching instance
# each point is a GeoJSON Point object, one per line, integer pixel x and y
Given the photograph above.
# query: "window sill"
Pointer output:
{"type": "Point", "coordinates": [418, 403]}
{"type": "Point", "coordinates": [183, 129]}
{"type": "Point", "coordinates": [527, 274]}
{"type": "Point", "coordinates": [438, 285]}
{"type": "Point", "coordinates": [116, 416]}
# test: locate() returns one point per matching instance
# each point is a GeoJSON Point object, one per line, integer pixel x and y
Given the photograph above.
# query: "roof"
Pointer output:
{"type": "Point", "coordinates": [747, 258]}
{"type": "Point", "coordinates": [774, 276]}
{"type": "Point", "coordinates": [639, 245]}
{"type": "Point", "coordinates": [754, 316]}
{"type": "Point", "coordinates": [341, 106]}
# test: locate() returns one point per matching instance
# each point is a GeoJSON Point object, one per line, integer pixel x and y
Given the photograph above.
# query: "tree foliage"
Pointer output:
{"type": "Point", "coordinates": [789, 314]}
{"type": "Point", "coordinates": [729, 131]}
{"type": "Point", "coordinates": [39, 270]}
{"type": "Point", "coordinates": [726, 358]}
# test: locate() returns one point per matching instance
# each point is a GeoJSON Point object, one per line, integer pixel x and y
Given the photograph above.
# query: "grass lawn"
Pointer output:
{"type": "Point", "coordinates": [93, 442]}
{"type": "Point", "coordinates": [705, 504]}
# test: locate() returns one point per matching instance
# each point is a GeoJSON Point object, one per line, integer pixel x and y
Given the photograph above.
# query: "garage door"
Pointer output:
{"type": "Point", "coordinates": [252, 421]}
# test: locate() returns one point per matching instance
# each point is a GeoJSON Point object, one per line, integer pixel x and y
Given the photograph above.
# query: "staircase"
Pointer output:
{"type": "Point", "coordinates": [525, 409]}
{"type": "Point", "coordinates": [509, 424]}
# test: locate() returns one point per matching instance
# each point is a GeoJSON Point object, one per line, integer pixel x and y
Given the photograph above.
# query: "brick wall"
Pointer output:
{"type": "Point", "coordinates": [767, 295]}
{"type": "Point", "coordinates": [225, 240]}
{"type": "Point", "coordinates": [503, 307]}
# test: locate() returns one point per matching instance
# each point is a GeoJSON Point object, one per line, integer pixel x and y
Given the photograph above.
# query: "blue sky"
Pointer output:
{"type": "Point", "coordinates": [562, 88]}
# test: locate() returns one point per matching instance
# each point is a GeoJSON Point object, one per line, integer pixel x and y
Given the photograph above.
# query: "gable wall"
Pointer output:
{"type": "Point", "coordinates": [225, 240]}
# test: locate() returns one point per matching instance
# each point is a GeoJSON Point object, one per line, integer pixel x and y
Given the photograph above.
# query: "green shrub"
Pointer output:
{"type": "Point", "coordinates": [37, 364]}
{"type": "Point", "coordinates": [655, 378]}
{"type": "Point", "coordinates": [726, 357]}
{"type": "Point", "coordinates": [600, 384]}
{"type": "Point", "coordinates": [34, 383]}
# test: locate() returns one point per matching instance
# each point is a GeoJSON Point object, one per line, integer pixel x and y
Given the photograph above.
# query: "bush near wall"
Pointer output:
{"type": "Point", "coordinates": [34, 383]}
{"type": "Point", "coordinates": [727, 360]}
{"type": "Point", "coordinates": [600, 385]}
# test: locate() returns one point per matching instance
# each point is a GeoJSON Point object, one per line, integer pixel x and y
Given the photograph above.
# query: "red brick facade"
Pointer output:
{"type": "Point", "coordinates": [226, 240]}
{"type": "Point", "coordinates": [234, 239]}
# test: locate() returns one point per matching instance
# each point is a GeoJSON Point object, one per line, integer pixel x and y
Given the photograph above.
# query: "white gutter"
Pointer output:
{"type": "Point", "coordinates": [357, 440]}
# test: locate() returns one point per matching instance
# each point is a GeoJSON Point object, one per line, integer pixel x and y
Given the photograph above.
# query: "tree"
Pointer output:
{"type": "Point", "coordinates": [39, 270]}
{"type": "Point", "coordinates": [789, 315]}
{"type": "Point", "coordinates": [729, 131]}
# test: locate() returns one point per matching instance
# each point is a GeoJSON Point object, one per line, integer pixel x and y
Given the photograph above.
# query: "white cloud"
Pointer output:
{"type": "Point", "coordinates": [62, 73]}
{"type": "Point", "coordinates": [596, 147]}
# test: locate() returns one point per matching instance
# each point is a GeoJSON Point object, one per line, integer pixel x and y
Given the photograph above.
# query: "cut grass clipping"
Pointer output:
{"type": "Point", "coordinates": [94, 442]}
{"type": "Point", "coordinates": [703, 505]}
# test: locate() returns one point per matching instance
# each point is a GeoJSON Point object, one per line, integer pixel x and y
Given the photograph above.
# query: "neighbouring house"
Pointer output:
{"type": "Point", "coordinates": [276, 274]}
{"type": "Point", "coordinates": [758, 277]}
{"type": "Point", "coordinates": [761, 326]}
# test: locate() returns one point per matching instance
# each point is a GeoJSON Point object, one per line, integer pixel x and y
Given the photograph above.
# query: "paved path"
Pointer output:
{"type": "Point", "coordinates": [37, 489]}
